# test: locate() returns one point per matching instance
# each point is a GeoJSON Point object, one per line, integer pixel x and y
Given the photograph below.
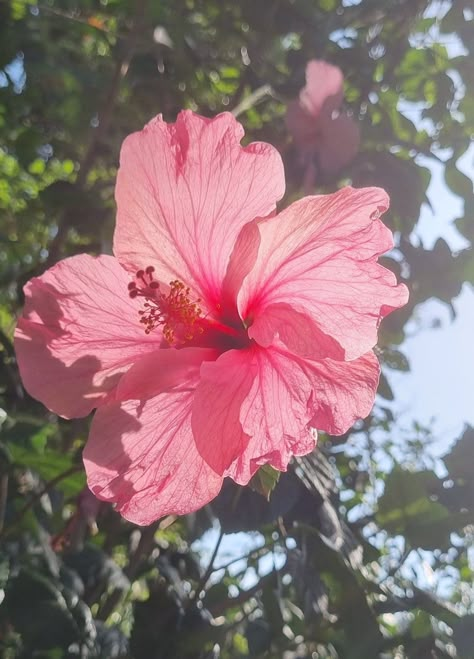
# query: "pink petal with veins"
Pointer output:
{"type": "Point", "coordinates": [162, 371]}
{"type": "Point", "coordinates": [79, 333]}
{"type": "Point", "coordinates": [191, 391]}
{"type": "Point", "coordinates": [184, 191]}
{"type": "Point", "coordinates": [292, 397]}
{"type": "Point", "coordinates": [320, 258]}
{"type": "Point", "coordinates": [142, 457]}
{"type": "Point", "coordinates": [224, 386]}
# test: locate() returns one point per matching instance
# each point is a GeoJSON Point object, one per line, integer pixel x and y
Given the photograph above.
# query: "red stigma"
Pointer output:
{"type": "Point", "coordinates": [173, 311]}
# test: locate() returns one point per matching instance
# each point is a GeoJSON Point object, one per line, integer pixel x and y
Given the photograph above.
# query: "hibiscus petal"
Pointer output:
{"type": "Point", "coordinates": [162, 371]}
{"type": "Point", "coordinates": [79, 333]}
{"type": "Point", "coordinates": [303, 127]}
{"type": "Point", "coordinates": [290, 397]}
{"type": "Point", "coordinates": [184, 191]}
{"type": "Point", "coordinates": [296, 330]}
{"type": "Point", "coordinates": [324, 87]}
{"type": "Point", "coordinates": [343, 391]}
{"type": "Point", "coordinates": [320, 257]}
{"type": "Point", "coordinates": [241, 261]}
{"type": "Point", "coordinates": [216, 412]}
{"type": "Point", "coordinates": [142, 457]}
{"type": "Point", "coordinates": [339, 142]}
{"type": "Point", "coordinates": [248, 413]}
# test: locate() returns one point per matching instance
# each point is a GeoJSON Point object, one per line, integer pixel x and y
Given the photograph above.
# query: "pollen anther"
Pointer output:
{"type": "Point", "coordinates": [173, 311]}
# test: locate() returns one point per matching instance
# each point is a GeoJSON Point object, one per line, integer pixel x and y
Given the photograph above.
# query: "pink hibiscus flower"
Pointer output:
{"type": "Point", "coordinates": [326, 137]}
{"type": "Point", "coordinates": [220, 336]}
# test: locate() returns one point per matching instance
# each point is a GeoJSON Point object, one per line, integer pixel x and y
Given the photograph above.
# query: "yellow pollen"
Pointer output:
{"type": "Point", "coordinates": [179, 312]}
{"type": "Point", "coordinates": [174, 311]}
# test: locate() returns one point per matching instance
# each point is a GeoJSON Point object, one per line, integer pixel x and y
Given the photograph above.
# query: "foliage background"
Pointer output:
{"type": "Point", "coordinates": [363, 549]}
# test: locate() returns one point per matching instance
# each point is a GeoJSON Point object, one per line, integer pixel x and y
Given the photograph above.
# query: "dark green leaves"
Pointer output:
{"type": "Point", "coordinates": [265, 480]}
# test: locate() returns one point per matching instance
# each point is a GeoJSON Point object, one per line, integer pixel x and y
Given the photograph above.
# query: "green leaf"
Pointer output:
{"type": "Point", "coordinates": [459, 183]}
{"type": "Point", "coordinates": [40, 439]}
{"type": "Point", "coordinates": [265, 480]}
{"type": "Point", "coordinates": [327, 5]}
{"type": "Point", "coordinates": [240, 644]}
{"type": "Point", "coordinates": [49, 466]}
{"type": "Point", "coordinates": [421, 625]}
{"type": "Point", "coordinates": [384, 389]}
{"type": "Point", "coordinates": [395, 359]}
{"type": "Point", "coordinates": [406, 508]}
{"type": "Point", "coordinates": [459, 459]}
{"type": "Point", "coordinates": [37, 166]}
{"type": "Point", "coordinates": [38, 610]}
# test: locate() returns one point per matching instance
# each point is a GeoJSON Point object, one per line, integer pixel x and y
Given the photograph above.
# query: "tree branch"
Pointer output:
{"type": "Point", "coordinates": [205, 578]}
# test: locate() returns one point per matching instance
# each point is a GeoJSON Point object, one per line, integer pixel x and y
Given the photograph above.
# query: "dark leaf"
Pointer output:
{"type": "Point", "coordinates": [265, 481]}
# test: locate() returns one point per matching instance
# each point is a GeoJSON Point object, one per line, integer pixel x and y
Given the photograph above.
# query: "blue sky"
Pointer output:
{"type": "Point", "coordinates": [440, 385]}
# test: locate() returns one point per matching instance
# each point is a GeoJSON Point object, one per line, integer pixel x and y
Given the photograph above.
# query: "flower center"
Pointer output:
{"type": "Point", "coordinates": [173, 311]}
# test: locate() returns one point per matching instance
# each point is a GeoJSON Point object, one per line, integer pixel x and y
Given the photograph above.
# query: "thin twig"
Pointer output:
{"type": "Point", "coordinates": [244, 595]}
{"type": "Point", "coordinates": [253, 99]}
{"type": "Point", "coordinates": [259, 551]}
{"type": "Point", "coordinates": [205, 577]}
{"type": "Point", "coordinates": [76, 18]}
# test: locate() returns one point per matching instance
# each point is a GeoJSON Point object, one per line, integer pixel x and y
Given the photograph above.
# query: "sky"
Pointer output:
{"type": "Point", "coordinates": [439, 390]}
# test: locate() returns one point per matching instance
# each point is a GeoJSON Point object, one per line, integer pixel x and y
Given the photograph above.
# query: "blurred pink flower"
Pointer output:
{"type": "Point", "coordinates": [326, 137]}
{"type": "Point", "coordinates": [220, 335]}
